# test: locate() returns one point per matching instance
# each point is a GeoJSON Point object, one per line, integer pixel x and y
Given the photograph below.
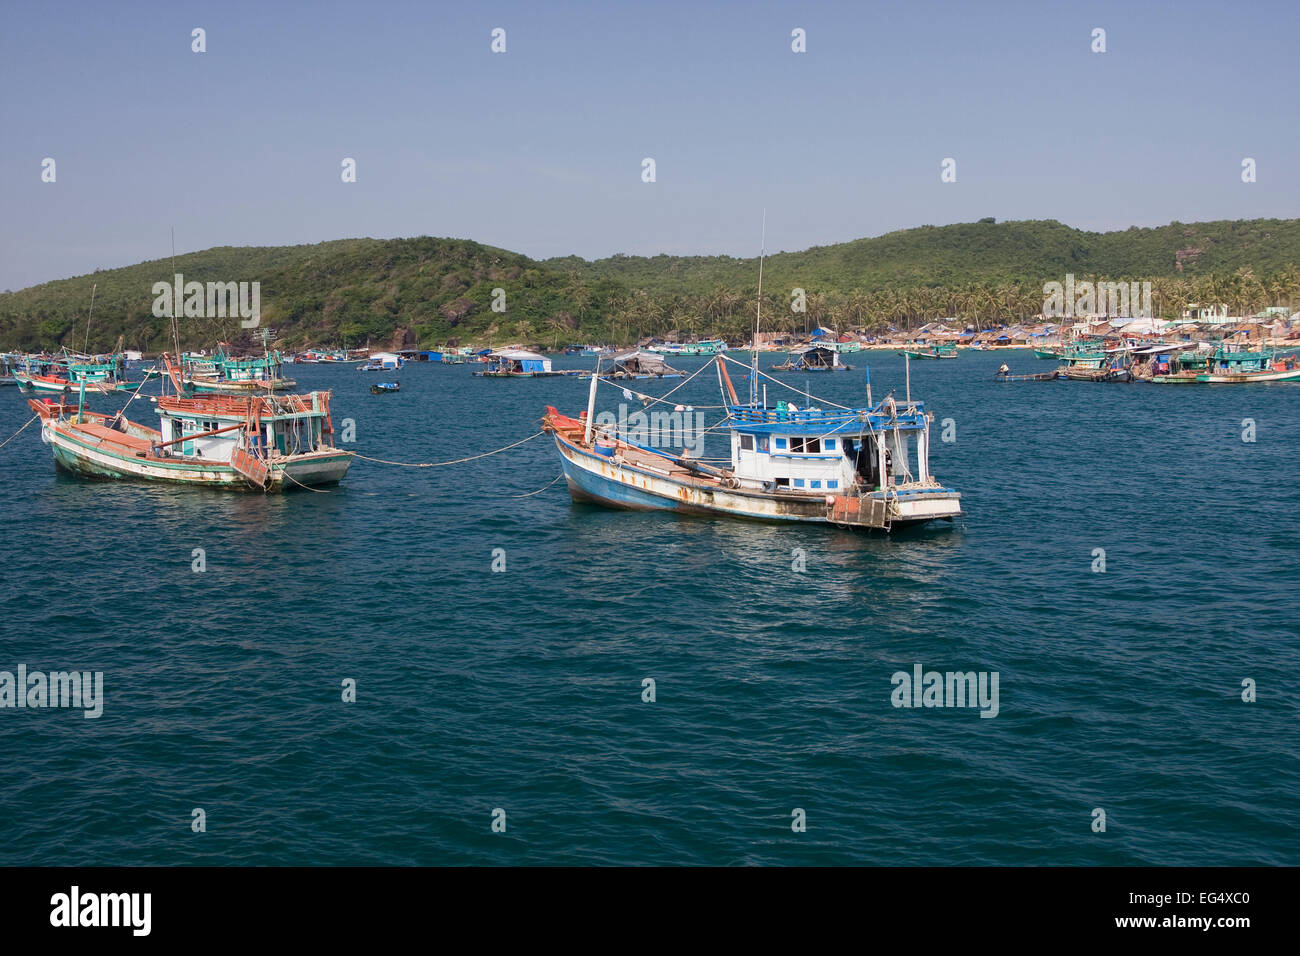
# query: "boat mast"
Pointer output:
{"type": "Point", "coordinates": [758, 318]}
{"type": "Point", "coordinates": [86, 345]}
{"type": "Point", "coordinates": [176, 329]}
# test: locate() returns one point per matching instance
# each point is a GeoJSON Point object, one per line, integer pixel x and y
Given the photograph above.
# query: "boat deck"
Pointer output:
{"type": "Point", "coordinates": [639, 458]}
{"type": "Point", "coordinates": [104, 433]}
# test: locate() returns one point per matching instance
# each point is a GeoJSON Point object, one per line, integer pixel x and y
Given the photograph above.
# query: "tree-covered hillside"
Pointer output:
{"type": "Point", "coordinates": [433, 291]}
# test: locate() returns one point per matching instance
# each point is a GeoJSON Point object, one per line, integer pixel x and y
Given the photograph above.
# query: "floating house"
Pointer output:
{"type": "Point", "coordinates": [383, 362]}
{"type": "Point", "coordinates": [641, 364]}
{"type": "Point", "coordinates": [517, 363]}
{"type": "Point", "coordinates": [813, 358]}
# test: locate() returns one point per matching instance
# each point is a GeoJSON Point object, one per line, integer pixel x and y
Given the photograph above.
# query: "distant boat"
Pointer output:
{"type": "Point", "coordinates": [223, 374]}
{"type": "Point", "coordinates": [1093, 367]}
{"type": "Point", "coordinates": [1228, 367]}
{"type": "Point", "coordinates": [944, 351]}
{"type": "Point", "coordinates": [383, 388]}
{"type": "Point", "coordinates": [1029, 377]}
{"type": "Point", "coordinates": [55, 376]}
{"type": "Point", "coordinates": [705, 347]}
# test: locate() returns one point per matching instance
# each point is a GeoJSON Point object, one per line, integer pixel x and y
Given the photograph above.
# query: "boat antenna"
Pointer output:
{"type": "Point", "coordinates": [758, 318]}
{"type": "Point", "coordinates": [86, 345]}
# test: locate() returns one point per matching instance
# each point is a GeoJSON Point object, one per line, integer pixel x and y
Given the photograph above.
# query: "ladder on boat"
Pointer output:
{"type": "Point", "coordinates": [864, 512]}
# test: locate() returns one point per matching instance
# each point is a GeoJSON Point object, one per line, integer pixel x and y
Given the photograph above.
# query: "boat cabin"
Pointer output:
{"type": "Point", "coordinates": [211, 427]}
{"type": "Point", "coordinates": [819, 452]}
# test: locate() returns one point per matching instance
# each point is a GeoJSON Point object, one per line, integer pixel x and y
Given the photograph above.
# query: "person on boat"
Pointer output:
{"type": "Point", "coordinates": [1004, 370]}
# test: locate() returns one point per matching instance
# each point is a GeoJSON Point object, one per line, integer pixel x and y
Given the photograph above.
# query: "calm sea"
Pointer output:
{"type": "Point", "coordinates": [521, 690]}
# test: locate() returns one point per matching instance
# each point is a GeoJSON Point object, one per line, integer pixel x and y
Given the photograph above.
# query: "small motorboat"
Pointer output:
{"type": "Point", "coordinates": [381, 388]}
{"type": "Point", "coordinates": [1008, 376]}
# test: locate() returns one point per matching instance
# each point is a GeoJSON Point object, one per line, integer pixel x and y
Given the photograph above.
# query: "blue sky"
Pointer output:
{"type": "Point", "coordinates": [539, 149]}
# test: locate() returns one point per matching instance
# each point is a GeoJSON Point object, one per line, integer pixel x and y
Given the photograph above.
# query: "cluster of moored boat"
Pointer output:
{"type": "Point", "coordinates": [1164, 364]}
{"type": "Point", "coordinates": [229, 422]}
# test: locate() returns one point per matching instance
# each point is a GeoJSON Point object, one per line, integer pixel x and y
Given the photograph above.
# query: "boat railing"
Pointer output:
{"type": "Point", "coordinates": [747, 415]}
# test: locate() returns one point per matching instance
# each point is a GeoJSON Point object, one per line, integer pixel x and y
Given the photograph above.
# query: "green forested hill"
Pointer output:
{"type": "Point", "coordinates": [431, 291]}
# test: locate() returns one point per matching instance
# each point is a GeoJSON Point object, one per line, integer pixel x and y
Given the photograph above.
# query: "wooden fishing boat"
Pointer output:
{"type": "Point", "coordinates": [267, 443]}
{"type": "Point", "coordinates": [705, 347]}
{"type": "Point", "coordinates": [223, 374]}
{"type": "Point", "coordinates": [1095, 366]}
{"type": "Point", "coordinates": [1047, 354]}
{"type": "Point", "coordinates": [101, 374]}
{"type": "Point", "coordinates": [1030, 377]}
{"type": "Point", "coordinates": [855, 467]}
{"type": "Point", "coordinates": [1241, 367]}
{"type": "Point", "coordinates": [383, 388]}
{"type": "Point", "coordinates": [933, 352]}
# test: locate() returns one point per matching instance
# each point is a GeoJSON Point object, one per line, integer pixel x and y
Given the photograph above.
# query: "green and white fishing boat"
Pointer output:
{"type": "Point", "coordinates": [937, 351]}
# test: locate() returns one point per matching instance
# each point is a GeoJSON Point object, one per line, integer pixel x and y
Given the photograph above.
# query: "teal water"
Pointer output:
{"type": "Point", "coordinates": [521, 690]}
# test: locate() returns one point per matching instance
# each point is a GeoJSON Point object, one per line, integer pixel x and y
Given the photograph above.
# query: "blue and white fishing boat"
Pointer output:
{"type": "Point", "coordinates": [866, 467]}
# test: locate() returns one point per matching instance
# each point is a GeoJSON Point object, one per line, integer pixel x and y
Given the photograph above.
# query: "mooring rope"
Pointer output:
{"type": "Point", "coordinates": [19, 432]}
{"type": "Point", "coordinates": [440, 464]}
{"type": "Point", "coordinates": [540, 490]}
{"type": "Point", "coordinates": [319, 491]}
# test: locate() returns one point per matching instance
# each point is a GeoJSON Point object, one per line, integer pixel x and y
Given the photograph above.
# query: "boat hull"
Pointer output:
{"type": "Point", "coordinates": [1240, 378]}
{"type": "Point", "coordinates": [77, 455]}
{"type": "Point", "coordinates": [599, 480]}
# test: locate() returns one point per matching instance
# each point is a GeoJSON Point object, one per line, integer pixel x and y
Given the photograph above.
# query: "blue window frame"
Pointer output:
{"type": "Point", "coordinates": [780, 443]}
{"type": "Point", "coordinates": [815, 484]}
{"type": "Point", "coordinates": [798, 482]}
{"type": "Point", "coordinates": [829, 444]}
{"type": "Point", "coordinates": [833, 484]}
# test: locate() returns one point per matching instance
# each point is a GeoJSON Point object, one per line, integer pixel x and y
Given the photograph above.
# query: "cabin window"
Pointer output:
{"type": "Point", "coordinates": [798, 482]}
{"type": "Point", "coordinates": [780, 443]}
{"type": "Point", "coordinates": [783, 482]}
{"type": "Point", "coordinates": [830, 444]}
{"type": "Point", "coordinates": [814, 484]}
{"type": "Point", "coordinates": [810, 446]}
{"type": "Point", "coordinates": [746, 442]}
{"type": "Point", "coordinates": [833, 483]}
